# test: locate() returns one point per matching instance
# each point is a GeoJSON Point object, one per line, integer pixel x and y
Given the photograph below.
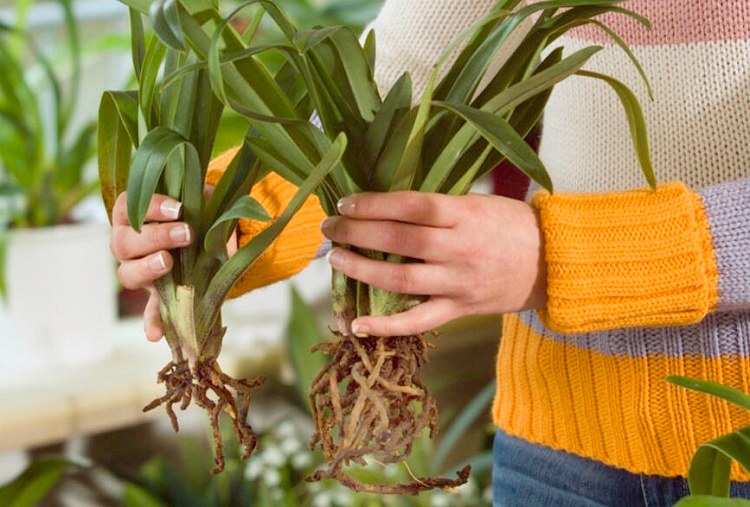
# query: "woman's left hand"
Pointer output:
{"type": "Point", "coordinates": [482, 255]}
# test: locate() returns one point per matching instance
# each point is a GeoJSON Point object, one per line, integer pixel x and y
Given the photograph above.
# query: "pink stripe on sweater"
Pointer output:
{"type": "Point", "coordinates": [675, 22]}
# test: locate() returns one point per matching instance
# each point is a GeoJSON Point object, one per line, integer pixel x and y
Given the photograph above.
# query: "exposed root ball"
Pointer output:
{"type": "Point", "coordinates": [370, 400]}
{"type": "Point", "coordinates": [209, 387]}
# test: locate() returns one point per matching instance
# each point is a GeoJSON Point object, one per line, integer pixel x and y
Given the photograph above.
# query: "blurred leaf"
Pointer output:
{"type": "Point", "coordinates": [711, 501]}
{"type": "Point", "coordinates": [73, 44]}
{"type": "Point", "coordinates": [303, 332]}
{"type": "Point", "coordinates": [73, 159]}
{"type": "Point", "coordinates": [36, 481]}
{"type": "Point", "coordinates": [476, 408]}
{"type": "Point", "coordinates": [4, 240]}
{"type": "Point", "coordinates": [136, 496]}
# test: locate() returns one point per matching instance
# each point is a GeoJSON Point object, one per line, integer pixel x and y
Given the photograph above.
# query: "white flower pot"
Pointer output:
{"type": "Point", "coordinates": [61, 306]}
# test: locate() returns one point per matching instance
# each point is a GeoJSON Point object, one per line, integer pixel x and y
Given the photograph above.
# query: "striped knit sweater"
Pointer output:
{"type": "Point", "coordinates": [641, 285]}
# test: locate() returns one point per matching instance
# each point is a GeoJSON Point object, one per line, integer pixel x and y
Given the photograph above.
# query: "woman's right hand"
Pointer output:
{"type": "Point", "coordinates": [145, 256]}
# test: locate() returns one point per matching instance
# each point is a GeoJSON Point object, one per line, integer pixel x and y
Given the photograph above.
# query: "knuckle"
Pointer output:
{"type": "Point", "coordinates": [402, 279]}
{"type": "Point", "coordinates": [125, 279]}
{"type": "Point", "coordinates": [394, 237]}
{"type": "Point", "coordinates": [412, 202]}
{"type": "Point", "coordinates": [119, 244]}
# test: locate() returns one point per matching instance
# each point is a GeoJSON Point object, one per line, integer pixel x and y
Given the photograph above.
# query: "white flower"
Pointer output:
{"type": "Point", "coordinates": [286, 429]}
{"type": "Point", "coordinates": [468, 489]}
{"type": "Point", "coordinates": [289, 446]}
{"type": "Point", "coordinates": [271, 477]}
{"type": "Point", "coordinates": [487, 495]}
{"type": "Point", "coordinates": [302, 460]}
{"type": "Point", "coordinates": [273, 456]}
{"type": "Point", "coordinates": [254, 468]}
{"type": "Point", "coordinates": [314, 487]}
{"type": "Point", "coordinates": [440, 499]}
{"type": "Point", "coordinates": [342, 496]}
{"type": "Point", "coordinates": [277, 494]}
{"type": "Point", "coordinates": [323, 499]}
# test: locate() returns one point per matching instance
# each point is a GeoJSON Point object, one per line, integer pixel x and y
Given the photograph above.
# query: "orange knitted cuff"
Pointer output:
{"type": "Point", "coordinates": [627, 259]}
{"type": "Point", "coordinates": [295, 247]}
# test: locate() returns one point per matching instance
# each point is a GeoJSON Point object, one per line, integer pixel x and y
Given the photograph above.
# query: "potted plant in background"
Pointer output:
{"type": "Point", "coordinates": [46, 257]}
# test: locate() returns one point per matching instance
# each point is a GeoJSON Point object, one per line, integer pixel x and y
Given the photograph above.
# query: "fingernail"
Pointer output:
{"type": "Point", "coordinates": [327, 226]}
{"type": "Point", "coordinates": [171, 209]}
{"type": "Point", "coordinates": [181, 234]}
{"type": "Point", "coordinates": [346, 205]}
{"type": "Point", "coordinates": [157, 263]}
{"type": "Point", "coordinates": [360, 331]}
{"type": "Point", "coordinates": [334, 258]}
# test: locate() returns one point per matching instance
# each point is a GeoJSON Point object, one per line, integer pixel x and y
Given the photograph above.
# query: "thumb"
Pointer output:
{"type": "Point", "coordinates": [152, 317]}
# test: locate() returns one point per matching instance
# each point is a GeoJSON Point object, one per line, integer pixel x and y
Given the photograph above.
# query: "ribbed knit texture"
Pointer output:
{"type": "Point", "coordinates": [600, 393]}
{"type": "Point", "coordinates": [728, 207]}
{"type": "Point", "coordinates": [293, 249]}
{"type": "Point", "coordinates": [623, 259]}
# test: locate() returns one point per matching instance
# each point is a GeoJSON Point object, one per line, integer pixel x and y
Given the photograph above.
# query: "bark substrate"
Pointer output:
{"type": "Point", "coordinates": [211, 389]}
{"type": "Point", "coordinates": [370, 400]}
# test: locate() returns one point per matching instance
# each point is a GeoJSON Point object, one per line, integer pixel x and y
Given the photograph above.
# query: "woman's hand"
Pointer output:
{"type": "Point", "coordinates": [144, 257]}
{"type": "Point", "coordinates": [482, 255]}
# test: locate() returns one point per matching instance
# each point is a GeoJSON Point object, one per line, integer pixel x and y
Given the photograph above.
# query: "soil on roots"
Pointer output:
{"type": "Point", "coordinates": [215, 392]}
{"type": "Point", "coordinates": [370, 400]}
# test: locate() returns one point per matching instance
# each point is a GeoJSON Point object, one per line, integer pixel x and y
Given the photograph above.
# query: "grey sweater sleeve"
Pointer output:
{"type": "Point", "coordinates": [727, 206]}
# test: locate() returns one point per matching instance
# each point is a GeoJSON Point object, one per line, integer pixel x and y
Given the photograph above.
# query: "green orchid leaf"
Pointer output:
{"type": "Point", "coordinates": [723, 392]}
{"type": "Point", "coordinates": [141, 6]}
{"type": "Point", "coordinates": [396, 104]}
{"type": "Point", "coordinates": [117, 135]}
{"type": "Point", "coordinates": [148, 92]}
{"type": "Point", "coordinates": [165, 20]}
{"type": "Point", "coordinates": [370, 50]}
{"type": "Point", "coordinates": [711, 465]}
{"type": "Point", "coordinates": [400, 163]}
{"type": "Point", "coordinates": [217, 236]}
{"type": "Point", "coordinates": [138, 41]}
{"type": "Point", "coordinates": [505, 140]}
{"type": "Point", "coordinates": [149, 163]}
{"type": "Point", "coordinates": [635, 120]}
{"type": "Point", "coordinates": [239, 177]}
{"type": "Point", "coordinates": [232, 270]}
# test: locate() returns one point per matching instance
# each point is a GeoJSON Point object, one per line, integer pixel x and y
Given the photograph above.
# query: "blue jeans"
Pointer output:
{"type": "Point", "coordinates": [529, 475]}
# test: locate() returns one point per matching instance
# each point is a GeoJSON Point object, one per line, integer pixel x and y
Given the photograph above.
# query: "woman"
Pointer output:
{"type": "Point", "coordinates": [607, 289]}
